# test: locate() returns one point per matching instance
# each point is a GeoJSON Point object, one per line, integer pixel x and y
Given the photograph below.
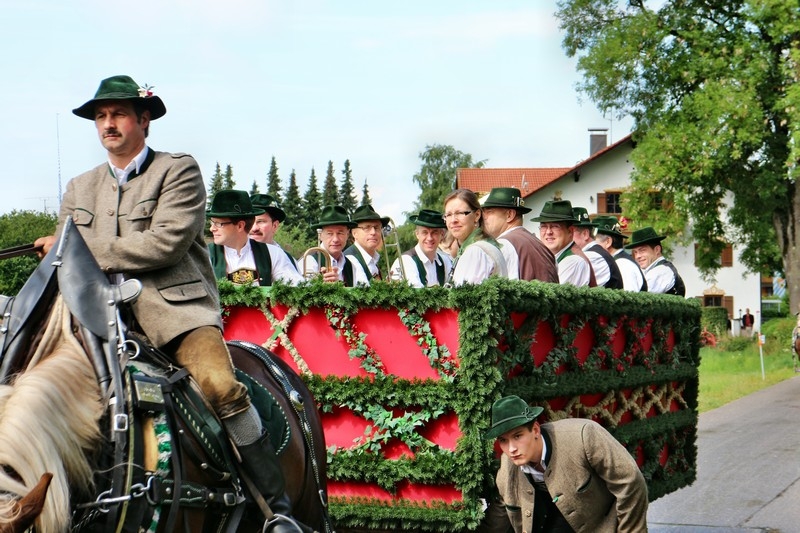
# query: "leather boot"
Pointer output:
{"type": "Point", "coordinates": [260, 463]}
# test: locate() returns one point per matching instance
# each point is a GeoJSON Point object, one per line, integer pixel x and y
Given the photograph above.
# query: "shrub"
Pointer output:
{"type": "Point", "coordinates": [736, 344]}
{"type": "Point", "coordinates": [714, 320]}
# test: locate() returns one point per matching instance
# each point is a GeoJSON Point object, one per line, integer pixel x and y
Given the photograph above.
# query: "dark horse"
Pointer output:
{"type": "Point", "coordinates": [128, 439]}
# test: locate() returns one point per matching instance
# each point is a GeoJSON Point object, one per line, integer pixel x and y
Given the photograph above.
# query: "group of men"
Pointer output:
{"type": "Point", "coordinates": [570, 249]}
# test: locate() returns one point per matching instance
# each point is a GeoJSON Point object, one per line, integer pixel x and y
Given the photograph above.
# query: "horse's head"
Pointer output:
{"type": "Point", "coordinates": [24, 511]}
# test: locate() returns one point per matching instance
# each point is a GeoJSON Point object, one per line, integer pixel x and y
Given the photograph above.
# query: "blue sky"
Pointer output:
{"type": "Point", "coordinates": [306, 81]}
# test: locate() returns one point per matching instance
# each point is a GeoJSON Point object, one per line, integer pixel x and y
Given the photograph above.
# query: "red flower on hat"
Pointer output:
{"type": "Point", "coordinates": [623, 223]}
{"type": "Point", "coordinates": [146, 90]}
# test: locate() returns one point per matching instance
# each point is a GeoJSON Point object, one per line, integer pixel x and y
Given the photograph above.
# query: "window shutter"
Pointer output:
{"type": "Point", "coordinates": [727, 256]}
{"type": "Point", "coordinates": [601, 202]}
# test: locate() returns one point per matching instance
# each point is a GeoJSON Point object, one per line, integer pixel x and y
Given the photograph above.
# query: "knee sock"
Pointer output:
{"type": "Point", "coordinates": [244, 428]}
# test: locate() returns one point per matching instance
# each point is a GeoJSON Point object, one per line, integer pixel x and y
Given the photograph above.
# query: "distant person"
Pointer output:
{"type": "Point", "coordinates": [368, 241]}
{"type": "Point", "coordinates": [266, 224]}
{"type": "Point", "coordinates": [662, 276]}
{"type": "Point", "coordinates": [237, 257]}
{"type": "Point", "coordinates": [479, 256]}
{"type": "Point", "coordinates": [425, 265]}
{"type": "Point", "coordinates": [563, 476]}
{"type": "Point", "coordinates": [556, 228]}
{"type": "Point", "coordinates": [606, 271]}
{"type": "Point", "coordinates": [610, 236]}
{"type": "Point", "coordinates": [747, 323]}
{"type": "Point", "coordinates": [527, 258]}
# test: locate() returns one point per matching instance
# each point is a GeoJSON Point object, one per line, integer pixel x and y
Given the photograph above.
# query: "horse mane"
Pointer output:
{"type": "Point", "coordinates": [49, 421]}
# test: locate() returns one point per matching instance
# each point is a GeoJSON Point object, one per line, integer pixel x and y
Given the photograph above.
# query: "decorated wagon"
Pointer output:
{"type": "Point", "coordinates": [405, 378]}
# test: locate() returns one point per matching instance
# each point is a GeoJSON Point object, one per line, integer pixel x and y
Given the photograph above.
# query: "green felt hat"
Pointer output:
{"type": "Point", "coordinates": [429, 219]}
{"type": "Point", "coordinates": [364, 213]}
{"type": "Point", "coordinates": [609, 225]}
{"type": "Point", "coordinates": [268, 203]}
{"type": "Point", "coordinates": [334, 215]}
{"type": "Point", "coordinates": [556, 211]}
{"type": "Point", "coordinates": [582, 216]}
{"type": "Point", "coordinates": [509, 197]}
{"type": "Point", "coordinates": [644, 236]}
{"type": "Point", "coordinates": [123, 88]}
{"type": "Point", "coordinates": [508, 413]}
{"type": "Point", "coordinates": [230, 203]}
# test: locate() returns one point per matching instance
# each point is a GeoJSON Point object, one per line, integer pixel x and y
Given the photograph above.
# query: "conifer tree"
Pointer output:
{"type": "Point", "coordinates": [254, 188]}
{"type": "Point", "coordinates": [227, 179]}
{"type": "Point", "coordinates": [216, 185]}
{"type": "Point", "coordinates": [365, 199]}
{"type": "Point", "coordinates": [330, 192]}
{"type": "Point", "coordinates": [273, 181]}
{"type": "Point", "coordinates": [347, 196]}
{"type": "Point", "coordinates": [293, 203]}
{"type": "Point", "coordinates": [312, 201]}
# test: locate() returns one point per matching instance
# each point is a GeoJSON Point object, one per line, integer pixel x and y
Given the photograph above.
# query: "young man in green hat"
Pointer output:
{"type": "Point", "coordinates": [237, 257]}
{"type": "Point", "coordinates": [662, 276]}
{"type": "Point", "coordinates": [606, 271]}
{"type": "Point", "coordinates": [266, 225]}
{"type": "Point", "coordinates": [425, 265]}
{"type": "Point", "coordinates": [368, 240]}
{"type": "Point", "coordinates": [563, 476]}
{"type": "Point", "coordinates": [142, 215]}
{"type": "Point", "coordinates": [527, 258]}
{"type": "Point", "coordinates": [556, 228]}
{"type": "Point", "coordinates": [610, 236]}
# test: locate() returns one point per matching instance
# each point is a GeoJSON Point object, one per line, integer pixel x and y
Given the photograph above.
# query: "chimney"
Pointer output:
{"type": "Point", "coordinates": [598, 140]}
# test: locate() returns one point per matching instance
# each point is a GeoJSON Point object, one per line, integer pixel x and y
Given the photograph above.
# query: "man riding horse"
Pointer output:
{"type": "Point", "coordinates": [142, 214]}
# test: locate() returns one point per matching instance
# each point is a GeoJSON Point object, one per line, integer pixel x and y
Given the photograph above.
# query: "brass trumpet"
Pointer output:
{"type": "Point", "coordinates": [315, 250]}
{"type": "Point", "coordinates": [390, 230]}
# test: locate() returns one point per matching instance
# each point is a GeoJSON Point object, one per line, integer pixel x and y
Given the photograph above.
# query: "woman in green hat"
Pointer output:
{"type": "Point", "coordinates": [479, 255]}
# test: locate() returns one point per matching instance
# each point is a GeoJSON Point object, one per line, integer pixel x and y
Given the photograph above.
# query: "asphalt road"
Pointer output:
{"type": "Point", "coordinates": [748, 469]}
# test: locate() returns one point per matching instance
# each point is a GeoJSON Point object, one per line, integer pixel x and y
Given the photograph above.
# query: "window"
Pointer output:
{"type": "Point", "coordinates": [608, 202]}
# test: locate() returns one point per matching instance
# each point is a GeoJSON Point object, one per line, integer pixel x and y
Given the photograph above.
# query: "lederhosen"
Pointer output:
{"type": "Point", "coordinates": [679, 289]}
{"type": "Point", "coordinates": [423, 273]}
{"type": "Point", "coordinates": [354, 252]}
{"type": "Point", "coordinates": [615, 279]}
{"type": "Point", "coordinates": [260, 256]}
{"type": "Point", "coordinates": [576, 250]}
{"type": "Point", "coordinates": [626, 256]}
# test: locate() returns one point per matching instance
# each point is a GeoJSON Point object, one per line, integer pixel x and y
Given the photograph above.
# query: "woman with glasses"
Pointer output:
{"type": "Point", "coordinates": [479, 255]}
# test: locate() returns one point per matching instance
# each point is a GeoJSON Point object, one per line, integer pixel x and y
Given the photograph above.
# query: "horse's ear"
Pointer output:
{"type": "Point", "coordinates": [29, 506]}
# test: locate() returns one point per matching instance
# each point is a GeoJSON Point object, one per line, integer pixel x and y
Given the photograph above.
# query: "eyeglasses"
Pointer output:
{"type": "Point", "coordinates": [456, 214]}
{"type": "Point", "coordinates": [215, 224]}
{"type": "Point", "coordinates": [551, 226]}
{"type": "Point", "coordinates": [370, 228]}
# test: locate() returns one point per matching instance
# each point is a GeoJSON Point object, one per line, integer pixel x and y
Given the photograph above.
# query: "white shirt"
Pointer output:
{"type": "Point", "coordinates": [573, 269]}
{"type": "Point", "coordinates": [372, 261]}
{"type": "Point", "coordinates": [475, 264]}
{"type": "Point", "coordinates": [359, 278]}
{"type": "Point", "coordinates": [282, 269]}
{"type": "Point", "coordinates": [602, 272]}
{"type": "Point", "coordinates": [135, 164]}
{"type": "Point", "coordinates": [529, 469]}
{"type": "Point", "coordinates": [659, 276]}
{"type": "Point", "coordinates": [412, 272]}
{"type": "Point", "coordinates": [632, 275]}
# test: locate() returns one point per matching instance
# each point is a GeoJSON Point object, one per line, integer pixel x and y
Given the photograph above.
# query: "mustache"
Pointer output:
{"type": "Point", "coordinates": [110, 131]}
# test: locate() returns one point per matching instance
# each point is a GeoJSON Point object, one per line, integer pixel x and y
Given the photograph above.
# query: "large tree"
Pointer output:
{"type": "Point", "coordinates": [713, 88]}
{"type": "Point", "coordinates": [437, 175]}
{"type": "Point", "coordinates": [330, 191]}
{"type": "Point", "coordinates": [18, 228]}
{"type": "Point", "coordinates": [347, 194]}
{"type": "Point", "coordinates": [274, 181]}
{"type": "Point", "coordinates": [312, 201]}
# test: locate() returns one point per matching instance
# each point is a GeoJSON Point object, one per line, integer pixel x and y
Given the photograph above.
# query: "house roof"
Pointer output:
{"type": "Point", "coordinates": [527, 180]}
{"type": "Point", "coordinates": [482, 180]}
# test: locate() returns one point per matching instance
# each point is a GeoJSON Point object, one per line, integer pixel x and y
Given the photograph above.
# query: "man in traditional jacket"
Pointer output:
{"type": "Point", "coordinates": [610, 236]}
{"type": "Point", "coordinates": [662, 276]}
{"type": "Point", "coordinates": [606, 271]}
{"type": "Point", "coordinates": [425, 265]}
{"type": "Point", "coordinates": [237, 257]}
{"type": "Point", "coordinates": [556, 228]}
{"type": "Point", "coordinates": [526, 256]}
{"type": "Point", "coordinates": [564, 476]}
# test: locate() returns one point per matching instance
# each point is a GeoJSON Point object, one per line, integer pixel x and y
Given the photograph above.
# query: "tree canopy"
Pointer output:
{"type": "Point", "coordinates": [712, 87]}
{"type": "Point", "coordinates": [18, 228]}
{"type": "Point", "coordinates": [437, 175]}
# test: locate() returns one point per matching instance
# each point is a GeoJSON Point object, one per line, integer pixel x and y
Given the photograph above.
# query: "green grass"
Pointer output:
{"type": "Point", "coordinates": [733, 368]}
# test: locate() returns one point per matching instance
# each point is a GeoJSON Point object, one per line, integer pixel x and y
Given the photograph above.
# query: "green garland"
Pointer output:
{"type": "Point", "coordinates": [491, 350]}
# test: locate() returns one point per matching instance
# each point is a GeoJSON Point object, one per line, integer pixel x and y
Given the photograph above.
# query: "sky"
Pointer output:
{"type": "Point", "coordinates": [306, 81]}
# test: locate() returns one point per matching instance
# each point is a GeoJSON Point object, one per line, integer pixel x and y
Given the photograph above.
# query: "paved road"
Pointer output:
{"type": "Point", "coordinates": [748, 469]}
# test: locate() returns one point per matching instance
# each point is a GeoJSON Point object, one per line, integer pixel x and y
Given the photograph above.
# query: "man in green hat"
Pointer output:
{"type": "Point", "coordinates": [527, 257]}
{"type": "Point", "coordinates": [266, 224]}
{"type": "Point", "coordinates": [610, 236]}
{"type": "Point", "coordinates": [142, 215]}
{"type": "Point", "coordinates": [662, 276]}
{"type": "Point", "coordinates": [425, 265]}
{"type": "Point", "coordinates": [368, 240]}
{"type": "Point", "coordinates": [563, 476]}
{"type": "Point", "coordinates": [333, 231]}
{"type": "Point", "coordinates": [237, 257]}
{"type": "Point", "coordinates": [606, 271]}
{"type": "Point", "coordinates": [556, 228]}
